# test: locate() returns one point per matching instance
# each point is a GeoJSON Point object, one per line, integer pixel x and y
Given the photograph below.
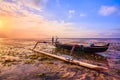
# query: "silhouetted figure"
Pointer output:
{"type": "Point", "coordinates": [52, 40]}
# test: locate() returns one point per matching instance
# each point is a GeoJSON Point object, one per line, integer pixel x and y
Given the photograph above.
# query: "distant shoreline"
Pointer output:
{"type": "Point", "coordinates": [63, 38]}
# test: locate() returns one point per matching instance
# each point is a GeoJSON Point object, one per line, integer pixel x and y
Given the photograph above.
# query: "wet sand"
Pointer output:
{"type": "Point", "coordinates": [17, 62]}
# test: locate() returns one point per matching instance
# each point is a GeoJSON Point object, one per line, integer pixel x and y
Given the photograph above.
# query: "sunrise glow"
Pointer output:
{"type": "Point", "coordinates": [46, 18]}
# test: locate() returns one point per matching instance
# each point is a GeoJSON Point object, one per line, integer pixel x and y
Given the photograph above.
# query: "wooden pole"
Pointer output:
{"type": "Point", "coordinates": [91, 66]}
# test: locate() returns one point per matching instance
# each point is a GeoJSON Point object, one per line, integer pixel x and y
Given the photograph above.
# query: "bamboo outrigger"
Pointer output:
{"type": "Point", "coordinates": [91, 66]}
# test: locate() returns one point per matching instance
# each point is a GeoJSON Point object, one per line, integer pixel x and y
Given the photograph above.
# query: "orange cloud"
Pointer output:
{"type": "Point", "coordinates": [22, 23]}
{"type": "Point", "coordinates": [19, 22]}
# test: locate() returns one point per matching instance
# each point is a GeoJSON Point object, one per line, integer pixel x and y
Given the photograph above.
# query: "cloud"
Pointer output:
{"type": "Point", "coordinates": [35, 4]}
{"type": "Point", "coordinates": [20, 22]}
{"type": "Point", "coordinates": [71, 13]}
{"type": "Point", "coordinates": [107, 10]}
{"type": "Point", "coordinates": [23, 19]}
{"type": "Point", "coordinates": [82, 14]}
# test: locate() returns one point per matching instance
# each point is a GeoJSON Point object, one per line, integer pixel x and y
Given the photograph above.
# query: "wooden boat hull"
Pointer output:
{"type": "Point", "coordinates": [83, 48]}
{"type": "Point", "coordinates": [95, 49]}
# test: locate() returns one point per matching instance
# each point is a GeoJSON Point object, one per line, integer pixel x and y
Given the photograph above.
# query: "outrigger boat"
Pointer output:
{"type": "Point", "coordinates": [89, 49]}
{"type": "Point", "coordinates": [72, 48]}
{"type": "Point", "coordinates": [75, 47]}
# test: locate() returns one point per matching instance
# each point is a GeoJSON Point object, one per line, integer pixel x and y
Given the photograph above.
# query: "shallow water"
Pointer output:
{"type": "Point", "coordinates": [109, 58]}
{"type": "Point", "coordinates": [18, 49]}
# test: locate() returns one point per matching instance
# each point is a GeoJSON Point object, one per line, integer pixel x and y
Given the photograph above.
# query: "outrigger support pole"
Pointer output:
{"type": "Point", "coordinates": [54, 41]}
{"type": "Point", "coordinates": [39, 42]}
{"type": "Point", "coordinates": [72, 50]}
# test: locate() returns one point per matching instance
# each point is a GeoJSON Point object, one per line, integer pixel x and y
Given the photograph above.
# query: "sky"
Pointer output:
{"type": "Point", "coordinates": [62, 18]}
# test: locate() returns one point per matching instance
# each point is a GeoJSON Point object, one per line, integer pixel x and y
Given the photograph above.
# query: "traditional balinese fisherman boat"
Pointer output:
{"type": "Point", "coordinates": [91, 49]}
{"type": "Point", "coordinates": [74, 47]}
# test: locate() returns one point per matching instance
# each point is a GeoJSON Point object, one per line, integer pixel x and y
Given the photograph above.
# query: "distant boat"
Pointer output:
{"type": "Point", "coordinates": [87, 49]}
